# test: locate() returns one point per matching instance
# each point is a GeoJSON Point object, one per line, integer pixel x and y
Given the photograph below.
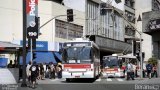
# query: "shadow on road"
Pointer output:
{"type": "Point", "coordinates": [79, 80]}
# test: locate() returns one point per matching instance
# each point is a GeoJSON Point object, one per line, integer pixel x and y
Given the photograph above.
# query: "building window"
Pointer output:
{"type": "Point", "coordinates": [64, 30]}
{"type": "Point", "coordinates": [155, 5]}
{"type": "Point", "coordinates": [130, 16]}
{"type": "Point", "coordinates": [129, 31]}
{"type": "Point", "coordinates": [130, 3]}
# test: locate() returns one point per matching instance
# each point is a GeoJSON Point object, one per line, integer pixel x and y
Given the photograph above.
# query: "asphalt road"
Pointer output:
{"type": "Point", "coordinates": [99, 84]}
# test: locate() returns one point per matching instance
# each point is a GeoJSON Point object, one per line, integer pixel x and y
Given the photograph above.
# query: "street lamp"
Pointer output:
{"type": "Point", "coordinates": [141, 63]}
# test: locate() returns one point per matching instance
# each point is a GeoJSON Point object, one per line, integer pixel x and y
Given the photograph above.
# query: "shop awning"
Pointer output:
{"type": "Point", "coordinates": [8, 47]}
{"type": "Point", "coordinates": [58, 56]}
{"type": "Point", "coordinates": [42, 57]}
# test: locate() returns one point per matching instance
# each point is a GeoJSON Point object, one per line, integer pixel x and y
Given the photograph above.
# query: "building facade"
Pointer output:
{"type": "Point", "coordinates": [151, 26]}
{"type": "Point", "coordinates": [56, 31]}
{"type": "Point", "coordinates": [142, 7]}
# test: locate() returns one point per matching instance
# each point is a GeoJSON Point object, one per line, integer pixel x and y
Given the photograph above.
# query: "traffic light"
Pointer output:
{"type": "Point", "coordinates": [103, 10]}
{"type": "Point", "coordinates": [138, 56]}
{"type": "Point", "coordinates": [34, 56]}
{"type": "Point", "coordinates": [69, 15]}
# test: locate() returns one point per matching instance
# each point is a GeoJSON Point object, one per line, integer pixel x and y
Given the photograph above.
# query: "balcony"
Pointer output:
{"type": "Point", "coordinates": [111, 45]}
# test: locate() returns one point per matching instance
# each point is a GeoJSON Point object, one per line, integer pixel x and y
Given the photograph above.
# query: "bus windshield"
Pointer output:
{"type": "Point", "coordinates": [110, 62]}
{"type": "Point", "coordinates": [77, 55]}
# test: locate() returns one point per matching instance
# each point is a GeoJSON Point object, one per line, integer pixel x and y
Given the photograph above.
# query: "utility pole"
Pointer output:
{"type": "Point", "coordinates": [24, 44]}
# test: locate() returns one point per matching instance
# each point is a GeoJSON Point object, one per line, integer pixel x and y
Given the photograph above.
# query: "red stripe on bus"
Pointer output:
{"type": "Point", "coordinates": [76, 66]}
{"type": "Point", "coordinates": [111, 69]}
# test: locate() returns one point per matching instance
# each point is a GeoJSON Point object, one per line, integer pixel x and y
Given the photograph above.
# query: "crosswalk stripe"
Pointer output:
{"type": "Point", "coordinates": [98, 80]}
{"type": "Point", "coordinates": [108, 79]}
{"type": "Point", "coordinates": [120, 79]}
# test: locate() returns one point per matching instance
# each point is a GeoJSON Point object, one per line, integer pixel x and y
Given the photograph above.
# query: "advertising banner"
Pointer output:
{"type": "Point", "coordinates": [32, 18]}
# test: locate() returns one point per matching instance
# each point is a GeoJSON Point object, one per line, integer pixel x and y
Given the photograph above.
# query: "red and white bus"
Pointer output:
{"type": "Point", "coordinates": [114, 65]}
{"type": "Point", "coordinates": [80, 59]}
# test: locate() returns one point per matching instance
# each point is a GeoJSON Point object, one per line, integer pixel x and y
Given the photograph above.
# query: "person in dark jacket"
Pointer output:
{"type": "Point", "coordinates": [34, 71]}
{"type": "Point", "coordinates": [149, 70]}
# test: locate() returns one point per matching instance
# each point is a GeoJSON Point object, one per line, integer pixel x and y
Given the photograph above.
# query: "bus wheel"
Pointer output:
{"type": "Point", "coordinates": [68, 79]}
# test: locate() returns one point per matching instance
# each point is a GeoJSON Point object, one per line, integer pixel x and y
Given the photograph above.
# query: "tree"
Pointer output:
{"type": "Point", "coordinates": [152, 60]}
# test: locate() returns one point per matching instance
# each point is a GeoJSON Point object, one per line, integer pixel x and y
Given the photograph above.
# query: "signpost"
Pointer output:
{"type": "Point", "coordinates": [32, 22]}
{"type": "Point", "coordinates": [30, 29]}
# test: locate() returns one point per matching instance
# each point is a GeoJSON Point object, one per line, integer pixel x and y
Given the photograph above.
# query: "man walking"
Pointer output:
{"type": "Point", "coordinates": [130, 73]}
{"type": "Point", "coordinates": [34, 72]}
{"type": "Point", "coordinates": [149, 70]}
{"type": "Point", "coordinates": [29, 73]}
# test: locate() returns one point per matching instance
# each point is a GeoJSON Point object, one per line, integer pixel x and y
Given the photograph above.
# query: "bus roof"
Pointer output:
{"type": "Point", "coordinates": [81, 40]}
{"type": "Point", "coordinates": [126, 56]}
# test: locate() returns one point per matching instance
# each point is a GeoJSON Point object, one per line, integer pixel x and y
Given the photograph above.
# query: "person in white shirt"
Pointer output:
{"type": "Point", "coordinates": [45, 69]}
{"type": "Point", "coordinates": [28, 72]}
{"type": "Point", "coordinates": [130, 71]}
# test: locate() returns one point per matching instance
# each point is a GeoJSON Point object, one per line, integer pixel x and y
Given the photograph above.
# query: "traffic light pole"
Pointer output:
{"type": "Point", "coordinates": [24, 44]}
{"type": "Point", "coordinates": [31, 51]}
{"type": "Point", "coordinates": [50, 20]}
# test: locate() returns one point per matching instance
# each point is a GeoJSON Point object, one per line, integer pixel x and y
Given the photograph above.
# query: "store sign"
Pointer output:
{"type": "Point", "coordinates": [32, 18]}
{"type": "Point", "coordinates": [40, 45]}
{"type": "Point", "coordinates": [154, 24]}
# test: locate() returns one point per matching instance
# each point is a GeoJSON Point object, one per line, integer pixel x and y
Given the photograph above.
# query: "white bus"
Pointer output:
{"type": "Point", "coordinates": [80, 59]}
{"type": "Point", "coordinates": [114, 65]}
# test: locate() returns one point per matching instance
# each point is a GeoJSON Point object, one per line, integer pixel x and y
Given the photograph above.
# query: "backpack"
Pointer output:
{"type": "Point", "coordinates": [149, 67]}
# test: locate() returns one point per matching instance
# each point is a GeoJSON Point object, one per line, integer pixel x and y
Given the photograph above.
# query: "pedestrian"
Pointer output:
{"type": "Point", "coordinates": [129, 70]}
{"type": "Point", "coordinates": [38, 75]}
{"type": "Point", "coordinates": [134, 72]}
{"type": "Point", "coordinates": [59, 70]}
{"type": "Point", "coordinates": [10, 65]}
{"type": "Point", "coordinates": [149, 70]}
{"type": "Point", "coordinates": [52, 71]}
{"type": "Point", "coordinates": [28, 72]}
{"type": "Point", "coordinates": [41, 71]}
{"type": "Point", "coordinates": [45, 69]}
{"type": "Point", "coordinates": [34, 71]}
{"type": "Point", "coordinates": [154, 71]}
{"type": "Point", "coordinates": [15, 64]}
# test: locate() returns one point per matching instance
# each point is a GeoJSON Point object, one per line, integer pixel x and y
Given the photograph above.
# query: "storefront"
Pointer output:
{"type": "Point", "coordinates": [7, 49]}
{"type": "Point", "coordinates": [45, 52]}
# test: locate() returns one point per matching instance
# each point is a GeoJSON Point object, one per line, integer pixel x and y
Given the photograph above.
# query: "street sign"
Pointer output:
{"type": "Point", "coordinates": [32, 18]}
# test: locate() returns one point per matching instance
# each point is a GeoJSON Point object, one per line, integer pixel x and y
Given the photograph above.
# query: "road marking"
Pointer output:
{"type": "Point", "coordinates": [98, 80]}
{"type": "Point", "coordinates": [54, 79]}
{"type": "Point", "coordinates": [119, 79]}
{"type": "Point", "coordinates": [108, 79]}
